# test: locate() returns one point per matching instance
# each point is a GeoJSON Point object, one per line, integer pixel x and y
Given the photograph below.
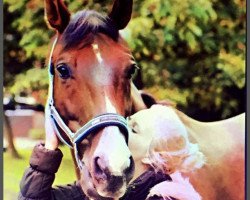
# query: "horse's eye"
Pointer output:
{"type": "Point", "coordinates": [63, 70]}
{"type": "Point", "coordinates": [132, 71]}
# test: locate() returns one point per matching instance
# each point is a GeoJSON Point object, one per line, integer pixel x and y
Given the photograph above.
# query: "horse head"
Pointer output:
{"type": "Point", "coordinates": [90, 92]}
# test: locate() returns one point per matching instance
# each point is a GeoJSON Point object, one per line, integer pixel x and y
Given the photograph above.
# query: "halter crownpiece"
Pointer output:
{"type": "Point", "coordinates": [100, 121]}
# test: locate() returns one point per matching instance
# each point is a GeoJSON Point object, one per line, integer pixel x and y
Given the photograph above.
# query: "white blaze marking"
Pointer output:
{"type": "Point", "coordinates": [109, 106]}
{"type": "Point", "coordinates": [97, 53]}
{"type": "Point", "coordinates": [113, 151]}
{"type": "Point", "coordinates": [112, 147]}
{"type": "Point", "coordinates": [101, 74]}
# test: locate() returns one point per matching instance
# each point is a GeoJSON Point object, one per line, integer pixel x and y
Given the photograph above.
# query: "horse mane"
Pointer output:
{"type": "Point", "coordinates": [85, 24]}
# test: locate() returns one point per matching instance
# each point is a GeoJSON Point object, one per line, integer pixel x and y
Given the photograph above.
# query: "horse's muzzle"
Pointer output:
{"type": "Point", "coordinates": [115, 183]}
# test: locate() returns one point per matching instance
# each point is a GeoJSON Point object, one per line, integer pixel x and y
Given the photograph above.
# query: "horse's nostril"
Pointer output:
{"type": "Point", "coordinates": [132, 163]}
{"type": "Point", "coordinates": [130, 170]}
{"type": "Point", "coordinates": [99, 168]}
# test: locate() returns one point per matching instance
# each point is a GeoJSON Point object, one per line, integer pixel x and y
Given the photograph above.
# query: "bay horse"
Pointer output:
{"type": "Point", "coordinates": [222, 143]}
{"type": "Point", "coordinates": [90, 68]}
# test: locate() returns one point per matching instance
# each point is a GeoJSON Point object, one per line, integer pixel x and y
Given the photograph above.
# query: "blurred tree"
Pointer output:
{"type": "Point", "coordinates": [190, 51]}
{"type": "Point", "coordinates": [193, 52]}
{"type": "Point", "coordinates": [8, 134]}
{"type": "Point", "coordinates": [15, 60]}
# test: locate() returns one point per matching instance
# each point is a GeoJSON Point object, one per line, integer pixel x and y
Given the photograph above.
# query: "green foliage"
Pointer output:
{"type": "Point", "coordinates": [32, 80]}
{"type": "Point", "coordinates": [190, 51]}
{"type": "Point", "coordinates": [227, 63]}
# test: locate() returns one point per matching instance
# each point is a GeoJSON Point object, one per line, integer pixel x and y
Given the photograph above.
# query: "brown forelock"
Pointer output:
{"type": "Point", "coordinates": [85, 23]}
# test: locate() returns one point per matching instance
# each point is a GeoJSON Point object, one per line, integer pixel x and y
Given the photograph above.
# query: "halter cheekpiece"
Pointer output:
{"type": "Point", "coordinates": [100, 121]}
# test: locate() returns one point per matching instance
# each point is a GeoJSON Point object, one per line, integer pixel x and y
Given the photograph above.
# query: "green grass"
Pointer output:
{"type": "Point", "coordinates": [14, 169]}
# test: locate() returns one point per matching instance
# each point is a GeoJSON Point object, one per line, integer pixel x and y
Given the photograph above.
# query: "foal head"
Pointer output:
{"type": "Point", "coordinates": [92, 68]}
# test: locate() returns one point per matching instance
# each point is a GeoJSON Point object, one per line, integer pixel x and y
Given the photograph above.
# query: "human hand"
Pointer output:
{"type": "Point", "coordinates": [51, 140]}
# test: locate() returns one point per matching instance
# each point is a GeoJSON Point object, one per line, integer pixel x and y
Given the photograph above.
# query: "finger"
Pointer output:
{"type": "Point", "coordinates": [48, 124]}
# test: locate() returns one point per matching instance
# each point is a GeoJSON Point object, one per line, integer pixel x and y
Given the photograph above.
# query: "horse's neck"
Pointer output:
{"type": "Point", "coordinates": [218, 134]}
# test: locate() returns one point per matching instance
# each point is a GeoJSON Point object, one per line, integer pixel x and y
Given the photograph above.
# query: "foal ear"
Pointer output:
{"type": "Point", "coordinates": [121, 13]}
{"type": "Point", "coordinates": [57, 14]}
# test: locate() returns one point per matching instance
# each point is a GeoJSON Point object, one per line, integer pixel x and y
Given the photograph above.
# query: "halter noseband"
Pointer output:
{"type": "Point", "coordinates": [100, 121]}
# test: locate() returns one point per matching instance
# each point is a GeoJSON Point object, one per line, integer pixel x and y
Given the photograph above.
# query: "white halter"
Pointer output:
{"type": "Point", "coordinates": [100, 121]}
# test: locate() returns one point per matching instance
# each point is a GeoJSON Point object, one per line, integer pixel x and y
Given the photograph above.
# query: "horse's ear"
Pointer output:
{"type": "Point", "coordinates": [57, 14]}
{"type": "Point", "coordinates": [148, 99]}
{"type": "Point", "coordinates": [121, 13]}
